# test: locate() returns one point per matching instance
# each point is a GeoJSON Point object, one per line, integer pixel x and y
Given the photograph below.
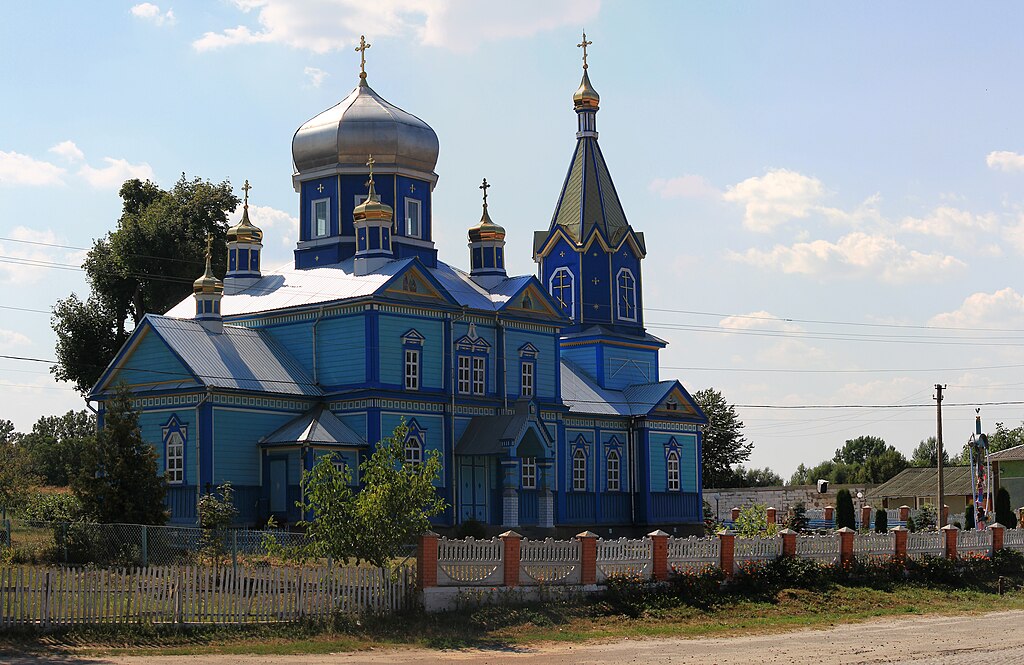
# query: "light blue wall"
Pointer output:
{"type": "Point", "coordinates": [433, 438]}
{"type": "Point", "coordinates": [349, 457]}
{"type": "Point", "coordinates": [356, 421]}
{"type": "Point", "coordinates": [571, 436]}
{"type": "Point", "coordinates": [623, 448]}
{"type": "Point", "coordinates": [546, 367]}
{"type": "Point", "coordinates": [659, 442]}
{"type": "Point", "coordinates": [297, 338]}
{"type": "Point", "coordinates": [488, 334]}
{"type": "Point", "coordinates": [151, 424]}
{"type": "Point", "coordinates": [341, 350]}
{"type": "Point", "coordinates": [584, 357]}
{"type": "Point", "coordinates": [151, 362]}
{"type": "Point", "coordinates": [236, 452]}
{"type": "Point", "coordinates": [626, 367]}
{"type": "Point", "coordinates": [392, 327]}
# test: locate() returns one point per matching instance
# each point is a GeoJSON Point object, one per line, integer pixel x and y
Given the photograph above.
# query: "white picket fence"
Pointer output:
{"type": "Point", "coordinates": [1013, 539]}
{"type": "Point", "coordinates": [874, 545]}
{"type": "Point", "coordinates": [822, 548]}
{"type": "Point", "coordinates": [55, 597]}
{"type": "Point", "coordinates": [974, 541]}
{"type": "Point", "coordinates": [549, 561]}
{"type": "Point", "coordinates": [693, 554]}
{"type": "Point", "coordinates": [926, 542]}
{"type": "Point", "coordinates": [623, 557]}
{"type": "Point", "coordinates": [470, 562]}
{"type": "Point", "coordinates": [756, 549]}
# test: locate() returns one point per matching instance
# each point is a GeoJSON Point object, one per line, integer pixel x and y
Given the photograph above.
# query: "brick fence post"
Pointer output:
{"type": "Point", "coordinates": [846, 536]}
{"type": "Point", "coordinates": [426, 560]}
{"type": "Point", "coordinates": [769, 515]}
{"type": "Point", "coordinates": [727, 553]}
{"type": "Point", "coordinates": [998, 531]}
{"type": "Point", "coordinates": [830, 513]}
{"type": "Point", "coordinates": [900, 535]}
{"type": "Point", "coordinates": [659, 555]}
{"type": "Point", "coordinates": [865, 517]}
{"type": "Point", "coordinates": [735, 514]}
{"type": "Point", "coordinates": [511, 541]}
{"type": "Point", "coordinates": [951, 536]}
{"type": "Point", "coordinates": [788, 542]}
{"type": "Point", "coordinates": [904, 513]}
{"type": "Point", "coordinates": [588, 557]}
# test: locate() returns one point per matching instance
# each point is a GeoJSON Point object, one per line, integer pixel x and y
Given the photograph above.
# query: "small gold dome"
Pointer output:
{"type": "Point", "coordinates": [486, 229]}
{"type": "Point", "coordinates": [244, 230]}
{"type": "Point", "coordinates": [372, 208]}
{"type": "Point", "coordinates": [586, 97]}
{"type": "Point", "coordinates": [208, 283]}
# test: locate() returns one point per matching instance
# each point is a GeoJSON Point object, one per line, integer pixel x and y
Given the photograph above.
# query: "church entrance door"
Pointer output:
{"type": "Point", "coordinates": [474, 488]}
{"type": "Point", "coordinates": [279, 486]}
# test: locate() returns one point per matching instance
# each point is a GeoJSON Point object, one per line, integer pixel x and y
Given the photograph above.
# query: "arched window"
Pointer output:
{"type": "Point", "coordinates": [613, 471]}
{"type": "Point", "coordinates": [627, 295]}
{"type": "Point", "coordinates": [579, 470]}
{"type": "Point", "coordinates": [413, 451]}
{"type": "Point", "coordinates": [672, 469]}
{"type": "Point", "coordinates": [561, 286]}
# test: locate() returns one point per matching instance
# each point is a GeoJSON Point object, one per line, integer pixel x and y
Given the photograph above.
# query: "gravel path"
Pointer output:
{"type": "Point", "coordinates": [931, 640]}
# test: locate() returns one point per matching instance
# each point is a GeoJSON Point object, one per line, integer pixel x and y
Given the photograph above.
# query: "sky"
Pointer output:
{"type": "Point", "coordinates": [832, 194]}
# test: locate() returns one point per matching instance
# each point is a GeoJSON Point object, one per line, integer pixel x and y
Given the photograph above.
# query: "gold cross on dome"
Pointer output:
{"type": "Point", "coordinates": [363, 45]}
{"type": "Point", "coordinates": [583, 45]}
{"type": "Point", "coordinates": [245, 188]}
{"type": "Point", "coordinates": [209, 246]}
{"type": "Point", "coordinates": [369, 163]}
{"type": "Point", "coordinates": [484, 186]}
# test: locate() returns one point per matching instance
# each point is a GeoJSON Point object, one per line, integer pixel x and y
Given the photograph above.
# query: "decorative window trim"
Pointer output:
{"type": "Point", "coordinates": [464, 374]}
{"type": "Point", "coordinates": [627, 299]}
{"type": "Point", "coordinates": [529, 473]}
{"type": "Point", "coordinates": [613, 471]}
{"type": "Point", "coordinates": [412, 369]}
{"type": "Point", "coordinates": [411, 203]}
{"type": "Point", "coordinates": [479, 374]}
{"type": "Point", "coordinates": [527, 377]}
{"type": "Point", "coordinates": [413, 451]}
{"type": "Point", "coordinates": [175, 441]}
{"type": "Point", "coordinates": [313, 219]}
{"type": "Point", "coordinates": [672, 474]}
{"type": "Point", "coordinates": [579, 470]}
{"type": "Point", "coordinates": [569, 306]}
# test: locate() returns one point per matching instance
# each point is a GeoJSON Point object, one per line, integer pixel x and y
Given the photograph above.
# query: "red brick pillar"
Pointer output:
{"type": "Point", "coordinates": [426, 560]}
{"type": "Point", "coordinates": [588, 557]}
{"type": "Point", "coordinates": [735, 514]}
{"type": "Point", "coordinates": [510, 540]}
{"type": "Point", "coordinates": [846, 536]}
{"type": "Point", "coordinates": [770, 516]}
{"type": "Point", "coordinates": [727, 554]}
{"type": "Point", "coordinates": [865, 517]}
{"type": "Point", "coordinates": [659, 554]}
{"type": "Point", "coordinates": [904, 513]}
{"type": "Point", "coordinates": [998, 530]}
{"type": "Point", "coordinates": [830, 513]}
{"type": "Point", "coordinates": [900, 534]}
{"type": "Point", "coordinates": [788, 542]}
{"type": "Point", "coordinates": [951, 536]}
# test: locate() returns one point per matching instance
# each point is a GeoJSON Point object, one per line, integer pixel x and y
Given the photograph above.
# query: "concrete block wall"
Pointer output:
{"type": "Point", "coordinates": [722, 501]}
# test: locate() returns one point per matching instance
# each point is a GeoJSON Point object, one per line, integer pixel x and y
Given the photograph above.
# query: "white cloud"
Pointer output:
{"type": "Point", "coordinates": [19, 169]}
{"type": "Point", "coordinates": [684, 187]}
{"type": "Point", "coordinates": [280, 232]}
{"type": "Point", "coordinates": [321, 26]}
{"type": "Point", "coordinates": [115, 173]}
{"type": "Point", "coordinates": [10, 339]}
{"type": "Point", "coordinates": [962, 228]}
{"type": "Point", "coordinates": [857, 254]}
{"type": "Point", "coordinates": [68, 151]}
{"type": "Point", "coordinates": [1002, 309]}
{"type": "Point", "coordinates": [1004, 160]}
{"type": "Point", "coordinates": [27, 255]}
{"type": "Point", "coordinates": [147, 11]}
{"type": "Point", "coordinates": [315, 76]}
{"type": "Point", "coordinates": [760, 320]}
{"type": "Point", "coordinates": [785, 350]}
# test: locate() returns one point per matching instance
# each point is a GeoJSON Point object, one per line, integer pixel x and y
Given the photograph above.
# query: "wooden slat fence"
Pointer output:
{"type": "Point", "coordinates": [57, 597]}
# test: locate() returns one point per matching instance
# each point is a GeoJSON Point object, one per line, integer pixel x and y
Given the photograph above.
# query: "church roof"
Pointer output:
{"type": "Point", "coordinates": [487, 435]}
{"type": "Point", "coordinates": [238, 358]}
{"type": "Point", "coordinates": [583, 395]}
{"type": "Point", "coordinates": [318, 426]}
{"type": "Point", "coordinates": [588, 201]}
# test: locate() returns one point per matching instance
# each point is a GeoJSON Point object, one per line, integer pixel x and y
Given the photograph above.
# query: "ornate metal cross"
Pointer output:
{"type": "Point", "coordinates": [363, 45]}
{"type": "Point", "coordinates": [484, 186]}
{"type": "Point", "coordinates": [245, 188]}
{"type": "Point", "coordinates": [209, 246]}
{"type": "Point", "coordinates": [583, 45]}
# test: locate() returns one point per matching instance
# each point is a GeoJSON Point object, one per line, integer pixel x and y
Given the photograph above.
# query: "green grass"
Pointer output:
{"type": "Point", "coordinates": [504, 626]}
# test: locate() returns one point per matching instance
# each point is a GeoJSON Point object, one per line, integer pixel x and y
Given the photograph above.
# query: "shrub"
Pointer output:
{"type": "Point", "coordinates": [41, 506]}
{"type": "Point", "coordinates": [844, 510]}
{"type": "Point", "coordinates": [1004, 514]}
{"type": "Point", "coordinates": [926, 518]}
{"type": "Point", "coordinates": [881, 521]}
{"type": "Point", "coordinates": [753, 522]}
{"type": "Point", "coordinates": [698, 588]}
{"type": "Point", "coordinates": [797, 517]}
{"type": "Point", "coordinates": [471, 529]}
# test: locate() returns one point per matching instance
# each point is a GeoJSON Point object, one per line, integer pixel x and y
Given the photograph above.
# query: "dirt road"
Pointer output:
{"type": "Point", "coordinates": [920, 640]}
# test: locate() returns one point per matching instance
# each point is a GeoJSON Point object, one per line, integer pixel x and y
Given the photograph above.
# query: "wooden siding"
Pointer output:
{"type": "Point", "coordinates": [151, 362]}
{"type": "Point", "coordinates": [392, 357]}
{"type": "Point", "coordinates": [626, 367]}
{"type": "Point", "coordinates": [236, 457]}
{"type": "Point", "coordinates": [341, 351]}
{"type": "Point", "coordinates": [151, 424]}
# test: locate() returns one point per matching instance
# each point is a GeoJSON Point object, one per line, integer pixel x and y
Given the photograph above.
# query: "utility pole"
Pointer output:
{"type": "Point", "coordinates": [939, 518]}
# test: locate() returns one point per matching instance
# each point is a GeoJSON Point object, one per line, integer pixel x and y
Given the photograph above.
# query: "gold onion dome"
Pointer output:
{"type": "Point", "coordinates": [208, 283]}
{"type": "Point", "coordinates": [372, 208]}
{"type": "Point", "coordinates": [486, 229]}
{"type": "Point", "coordinates": [244, 230]}
{"type": "Point", "coordinates": [585, 96]}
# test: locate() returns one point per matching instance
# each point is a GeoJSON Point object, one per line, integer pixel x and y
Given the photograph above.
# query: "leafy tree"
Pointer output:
{"type": "Point", "coordinates": [55, 445]}
{"type": "Point", "coordinates": [866, 459]}
{"type": "Point", "coordinates": [741, 476]}
{"type": "Point", "coordinates": [372, 525]}
{"type": "Point", "coordinates": [859, 450]}
{"type": "Point", "coordinates": [881, 521]}
{"type": "Point", "coordinates": [926, 454]}
{"type": "Point", "coordinates": [15, 467]}
{"type": "Point", "coordinates": [881, 467]}
{"type": "Point", "coordinates": [724, 443]}
{"type": "Point", "coordinates": [118, 479]}
{"type": "Point", "coordinates": [216, 513]}
{"type": "Point", "coordinates": [844, 510]}
{"type": "Point", "coordinates": [147, 264]}
{"type": "Point", "coordinates": [753, 522]}
{"type": "Point", "coordinates": [1004, 513]}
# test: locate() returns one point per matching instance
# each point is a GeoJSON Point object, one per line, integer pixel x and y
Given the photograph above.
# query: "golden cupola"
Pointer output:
{"type": "Point", "coordinates": [245, 245]}
{"type": "Point", "coordinates": [372, 220]}
{"type": "Point", "coordinates": [487, 248]}
{"type": "Point", "coordinates": [208, 292]}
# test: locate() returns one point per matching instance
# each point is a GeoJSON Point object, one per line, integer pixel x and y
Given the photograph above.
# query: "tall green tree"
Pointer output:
{"type": "Point", "coordinates": [374, 524]}
{"type": "Point", "coordinates": [741, 476]}
{"type": "Point", "coordinates": [845, 515]}
{"type": "Point", "coordinates": [147, 264]}
{"type": "Point", "coordinates": [926, 454]}
{"type": "Point", "coordinates": [859, 450]}
{"type": "Point", "coordinates": [55, 445]}
{"type": "Point", "coordinates": [865, 459]}
{"type": "Point", "coordinates": [15, 466]}
{"type": "Point", "coordinates": [724, 443]}
{"type": "Point", "coordinates": [117, 480]}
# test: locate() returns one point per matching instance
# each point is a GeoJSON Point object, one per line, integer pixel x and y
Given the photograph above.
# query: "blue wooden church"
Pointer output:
{"type": "Point", "coordinates": [541, 393]}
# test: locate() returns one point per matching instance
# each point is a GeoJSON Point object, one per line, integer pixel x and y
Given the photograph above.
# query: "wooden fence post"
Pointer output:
{"type": "Point", "coordinates": [588, 557]}
{"type": "Point", "coordinates": [511, 541]}
{"type": "Point", "coordinates": [659, 555]}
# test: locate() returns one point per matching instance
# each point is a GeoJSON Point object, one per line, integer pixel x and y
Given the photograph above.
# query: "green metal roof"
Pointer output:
{"type": "Point", "coordinates": [923, 481]}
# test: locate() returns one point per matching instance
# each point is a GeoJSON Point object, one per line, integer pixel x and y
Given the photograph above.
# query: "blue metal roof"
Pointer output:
{"type": "Point", "coordinates": [317, 426]}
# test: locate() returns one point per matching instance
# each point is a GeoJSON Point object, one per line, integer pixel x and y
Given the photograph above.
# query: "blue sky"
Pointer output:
{"type": "Point", "coordinates": [832, 195]}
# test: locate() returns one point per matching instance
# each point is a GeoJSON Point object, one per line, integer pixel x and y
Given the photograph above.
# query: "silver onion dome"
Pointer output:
{"type": "Point", "coordinates": [362, 124]}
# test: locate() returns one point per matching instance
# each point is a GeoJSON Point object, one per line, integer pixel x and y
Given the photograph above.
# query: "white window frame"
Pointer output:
{"type": "Point", "coordinates": [412, 369]}
{"type": "Point", "coordinates": [314, 231]}
{"type": "Point", "coordinates": [479, 375]}
{"type": "Point", "coordinates": [529, 473]}
{"type": "Point", "coordinates": [613, 471]}
{"type": "Point", "coordinates": [465, 374]}
{"type": "Point", "coordinates": [526, 377]}
{"type": "Point", "coordinates": [619, 295]}
{"type": "Point", "coordinates": [174, 467]}
{"type": "Point", "coordinates": [579, 470]}
{"type": "Point", "coordinates": [417, 205]}
{"type": "Point", "coordinates": [359, 198]}
{"type": "Point", "coordinates": [413, 451]}
{"type": "Point", "coordinates": [571, 305]}
{"type": "Point", "coordinates": [672, 471]}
